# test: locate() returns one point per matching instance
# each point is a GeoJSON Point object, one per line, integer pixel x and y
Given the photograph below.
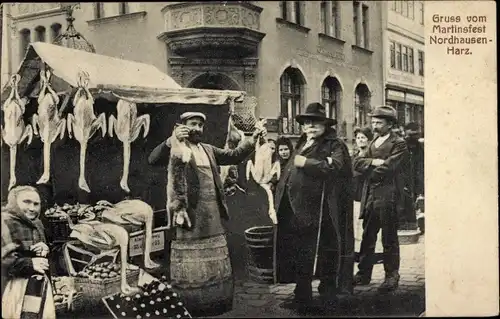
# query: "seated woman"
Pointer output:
{"type": "Point", "coordinates": [25, 268]}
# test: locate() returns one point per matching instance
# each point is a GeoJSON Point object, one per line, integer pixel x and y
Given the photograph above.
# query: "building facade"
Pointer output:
{"type": "Point", "coordinates": [404, 59]}
{"type": "Point", "coordinates": [284, 53]}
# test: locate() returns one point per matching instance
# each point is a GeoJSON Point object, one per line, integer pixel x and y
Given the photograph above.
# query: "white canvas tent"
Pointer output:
{"type": "Point", "coordinates": [111, 77]}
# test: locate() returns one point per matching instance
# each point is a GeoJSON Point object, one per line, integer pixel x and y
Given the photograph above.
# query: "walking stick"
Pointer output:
{"type": "Point", "coordinates": [275, 266]}
{"type": "Point", "coordinates": [319, 229]}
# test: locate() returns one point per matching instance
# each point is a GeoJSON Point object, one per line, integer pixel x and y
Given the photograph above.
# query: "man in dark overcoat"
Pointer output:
{"type": "Point", "coordinates": [314, 205]}
{"type": "Point", "coordinates": [383, 195]}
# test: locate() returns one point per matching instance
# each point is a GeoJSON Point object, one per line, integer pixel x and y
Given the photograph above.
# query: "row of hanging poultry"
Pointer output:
{"type": "Point", "coordinates": [81, 125]}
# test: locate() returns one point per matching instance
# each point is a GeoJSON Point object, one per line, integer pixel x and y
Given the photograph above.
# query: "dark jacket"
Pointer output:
{"type": "Point", "coordinates": [357, 179]}
{"type": "Point", "coordinates": [384, 186]}
{"type": "Point", "coordinates": [217, 156]}
{"type": "Point", "coordinates": [416, 150]}
{"type": "Point", "coordinates": [319, 180]}
{"type": "Point", "coordinates": [18, 234]}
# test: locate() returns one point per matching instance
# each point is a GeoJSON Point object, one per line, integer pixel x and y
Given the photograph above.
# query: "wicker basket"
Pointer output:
{"type": "Point", "coordinates": [62, 308]}
{"type": "Point", "coordinates": [98, 288]}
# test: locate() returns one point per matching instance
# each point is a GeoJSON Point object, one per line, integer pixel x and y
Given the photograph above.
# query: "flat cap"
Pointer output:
{"type": "Point", "coordinates": [188, 115]}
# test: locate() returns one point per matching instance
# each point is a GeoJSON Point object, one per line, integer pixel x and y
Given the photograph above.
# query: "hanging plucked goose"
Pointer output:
{"type": "Point", "coordinates": [229, 173]}
{"type": "Point", "coordinates": [15, 131]}
{"type": "Point", "coordinates": [47, 122]}
{"type": "Point", "coordinates": [264, 169]}
{"type": "Point", "coordinates": [83, 123]}
{"type": "Point", "coordinates": [127, 126]}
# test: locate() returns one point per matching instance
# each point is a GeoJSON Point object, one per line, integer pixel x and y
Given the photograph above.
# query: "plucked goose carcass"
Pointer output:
{"type": "Point", "coordinates": [264, 169]}
{"type": "Point", "coordinates": [177, 201]}
{"type": "Point", "coordinates": [83, 123]}
{"type": "Point", "coordinates": [15, 131]}
{"type": "Point", "coordinates": [135, 212]}
{"type": "Point", "coordinates": [47, 122]}
{"type": "Point", "coordinates": [106, 236]}
{"type": "Point", "coordinates": [229, 173]}
{"type": "Point", "coordinates": [127, 127]}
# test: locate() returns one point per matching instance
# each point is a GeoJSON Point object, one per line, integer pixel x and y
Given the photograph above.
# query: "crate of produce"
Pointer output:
{"type": "Point", "coordinates": [77, 256]}
{"type": "Point", "coordinates": [103, 279]}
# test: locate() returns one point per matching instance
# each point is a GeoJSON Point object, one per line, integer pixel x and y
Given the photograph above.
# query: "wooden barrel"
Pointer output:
{"type": "Point", "coordinates": [202, 275]}
{"type": "Point", "coordinates": [260, 241]}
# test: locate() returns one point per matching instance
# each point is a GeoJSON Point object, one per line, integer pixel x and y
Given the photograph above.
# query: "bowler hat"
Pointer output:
{"type": "Point", "coordinates": [315, 111]}
{"type": "Point", "coordinates": [385, 112]}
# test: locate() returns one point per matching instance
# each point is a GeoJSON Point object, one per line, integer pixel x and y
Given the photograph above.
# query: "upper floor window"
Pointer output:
{"type": "Point", "coordinates": [392, 49]}
{"type": "Point", "coordinates": [421, 9]}
{"type": "Point", "coordinates": [99, 10]}
{"type": "Point", "coordinates": [292, 98]}
{"type": "Point", "coordinates": [123, 8]}
{"type": "Point", "coordinates": [330, 96]}
{"type": "Point", "coordinates": [55, 30]}
{"type": "Point", "coordinates": [25, 39]}
{"type": "Point", "coordinates": [401, 57]}
{"type": "Point", "coordinates": [40, 33]}
{"type": "Point", "coordinates": [330, 19]}
{"type": "Point", "coordinates": [421, 63]}
{"type": "Point", "coordinates": [361, 24]}
{"type": "Point", "coordinates": [292, 11]}
{"type": "Point", "coordinates": [405, 8]}
{"type": "Point", "coordinates": [411, 61]}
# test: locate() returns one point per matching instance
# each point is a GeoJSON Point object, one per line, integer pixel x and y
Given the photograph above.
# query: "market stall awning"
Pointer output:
{"type": "Point", "coordinates": [139, 82]}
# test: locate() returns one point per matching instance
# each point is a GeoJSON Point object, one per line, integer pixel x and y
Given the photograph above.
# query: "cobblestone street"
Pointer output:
{"type": "Point", "coordinates": [261, 300]}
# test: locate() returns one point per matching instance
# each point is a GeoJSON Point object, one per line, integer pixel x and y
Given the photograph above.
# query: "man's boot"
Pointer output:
{"type": "Point", "coordinates": [361, 279]}
{"type": "Point", "coordinates": [302, 297]}
{"type": "Point", "coordinates": [390, 283]}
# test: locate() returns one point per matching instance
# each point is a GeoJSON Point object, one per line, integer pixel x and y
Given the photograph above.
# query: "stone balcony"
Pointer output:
{"type": "Point", "coordinates": [216, 29]}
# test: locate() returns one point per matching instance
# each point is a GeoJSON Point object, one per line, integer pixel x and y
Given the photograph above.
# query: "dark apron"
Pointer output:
{"type": "Point", "coordinates": [208, 222]}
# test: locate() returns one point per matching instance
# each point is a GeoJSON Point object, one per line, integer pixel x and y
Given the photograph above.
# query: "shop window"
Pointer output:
{"type": "Point", "coordinates": [55, 30]}
{"type": "Point", "coordinates": [40, 33]}
{"type": "Point", "coordinates": [292, 98]}
{"type": "Point", "coordinates": [330, 96]}
{"type": "Point", "coordinates": [25, 39]}
{"type": "Point", "coordinates": [362, 106]}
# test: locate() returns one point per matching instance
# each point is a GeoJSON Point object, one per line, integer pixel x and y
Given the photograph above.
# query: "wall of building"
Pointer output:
{"type": "Point", "coordinates": [404, 90]}
{"type": "Point", "coordinates": [134, 37]}
{"type": "Point", "coordinates": [317, 58]}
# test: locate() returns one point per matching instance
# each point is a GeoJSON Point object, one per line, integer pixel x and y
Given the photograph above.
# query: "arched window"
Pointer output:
{"type": "Point", "coordinates": [292, 98]}
{"type": "Point", "coordinates": [25, 39]}
{"type": "Point", "coordinates": [55, 30]}
{"type": "Point", "coordinates": [330, 96]}
{"type": "Point", "coordinates": [40, 33]}
{"type": "Point", "coordinates": [361, 105]}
